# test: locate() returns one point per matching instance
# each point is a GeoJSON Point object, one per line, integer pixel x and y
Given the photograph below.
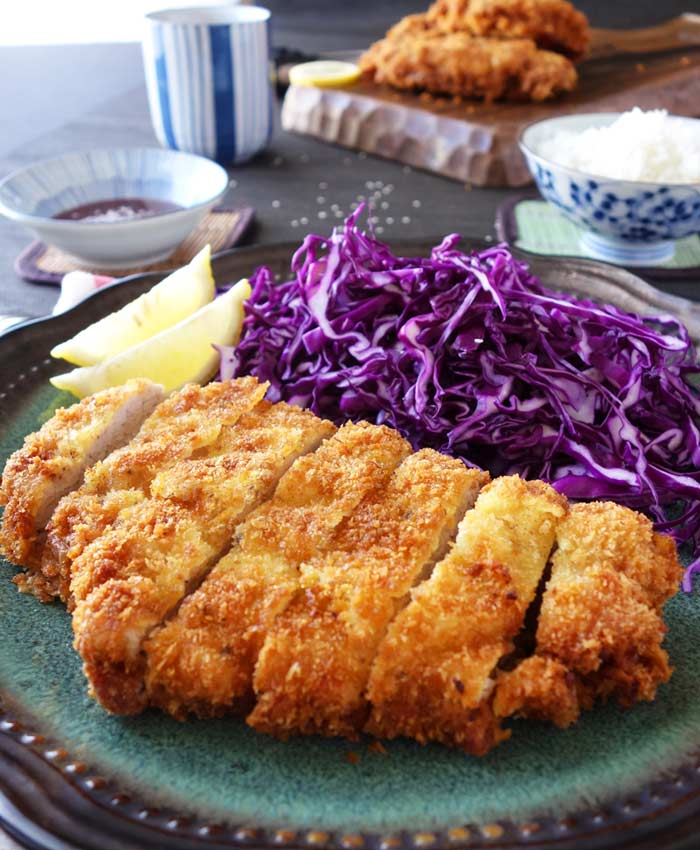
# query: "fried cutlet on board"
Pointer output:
{"type": "Point", "coordinates": [463, 65]}
{"type": "Point", "coordinates": [552, 24]}
{"type": "Point", "coordinates": [600, 626]}
{"type": "Point", "coordinates": [186, 423]}
{"type": "Point", "coordinates": [490, 49]}
{"type": "Point", "coordinates": [53, 460]}
{"type": "Point", "coordinates": [202, 661]}
{"type": "Point", "coordinates": [468, 66]}
{"type": "Point", "coordinates": [314, 665]}
{"type": "Point", "coordinates": [432, 678]}
{"type": "Point", "coordinates": [137, 572]}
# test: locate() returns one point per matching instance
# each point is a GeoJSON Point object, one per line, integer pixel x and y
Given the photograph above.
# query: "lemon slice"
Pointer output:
{"type": "Point", "coordinates": [327, 73]}
{"type": "Point", "coordinates": [179, 355]}
{"type": "Point", "coordinates": [166, 304]}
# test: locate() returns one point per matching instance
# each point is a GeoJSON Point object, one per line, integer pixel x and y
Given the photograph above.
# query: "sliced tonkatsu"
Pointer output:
{"type": "Point", "coordinates": [314, 665]}
{"type": "Point", "coordinates": [225, 554]}
{"type": "Point", "coordinates": [136, 573]}
{"type": "Point", "coordinates": [53, 460]}
{"type": "Point", "coordinates": [432, 678]}
{"type": "Point", "coordinates": [186, 423]}
{"type": "Point", "coordinates": [202, 661]}
{"type": "Point", "coordinates": [600, 625]}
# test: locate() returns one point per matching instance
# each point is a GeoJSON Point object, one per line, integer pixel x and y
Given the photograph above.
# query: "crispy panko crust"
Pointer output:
{"type": "Point", "coordinates": [202, 661]}
{"type": "Point", "coordinates": [463, 65]}
{"type": "Point", "coordinates": [134, 575]}
{"type": "Point", "coordinates": [613, 537]}
{"type": "Point", "coordinates": [315, 662]}
{"type": "Point", "coordinates": [52, 461]}
{"type": "Point", "coordinates": [540, 688]}
{"type": "Point", "coordinates": [552, 24]}
{"type": "Point", "coordinates": [601, 627]}
{"type": "Point", "coordinates": [124, 583]}
{"type": "Point", "coordinates": [432, 678]}
{"type": "Point", "coordinates": [183, 425]}
{"type": "Point", "coordinates": [413, 26]}
{"type": "Point", "coordinates": [490, 49]}
{"type": "Point", "coordinates": [325, 609]}
{"type": "Point", "coordinates": [601, 613]}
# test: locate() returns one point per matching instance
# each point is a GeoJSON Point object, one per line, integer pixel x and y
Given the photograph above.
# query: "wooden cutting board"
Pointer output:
{"type": "Point", "coordinates": [477, 143]}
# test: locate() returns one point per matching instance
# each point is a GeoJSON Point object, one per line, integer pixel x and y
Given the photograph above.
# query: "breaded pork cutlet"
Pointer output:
{"type": "Point", "coordinates": [186, 423]}
{"type": "Point", "coordinates": [552, 24]}
{"type": "Point", "coordinates": [136, 573]}
{"type": "Point", "coordinates": [313, 669]}
{"type": "Point", "coordinates": [600, 626]}
{"type": "Point", "coordinates": [53, 460]}
{"type": "Point", "coordinates": [432, 678]}
{"type": "Point", "coordinates": [202, 661]}
{"type": "Point", "coordinates": [463, 65]}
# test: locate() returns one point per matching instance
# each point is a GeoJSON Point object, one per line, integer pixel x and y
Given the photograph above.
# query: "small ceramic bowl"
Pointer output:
{"type": "Point", "coordinates": [33, 195]}
{"type": "Point", "coordinates": [625, 222]}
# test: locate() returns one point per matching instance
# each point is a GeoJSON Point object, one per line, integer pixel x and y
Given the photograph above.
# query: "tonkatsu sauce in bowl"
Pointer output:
{"type": "Point", "coordinates": [117, 208]}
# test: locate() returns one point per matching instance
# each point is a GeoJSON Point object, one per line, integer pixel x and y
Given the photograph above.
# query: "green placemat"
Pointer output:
{"type": "Point", "coordinates": [535, 225]}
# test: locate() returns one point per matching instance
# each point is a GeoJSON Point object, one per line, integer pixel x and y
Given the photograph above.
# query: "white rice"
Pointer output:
{"type": "Point", "coordinates": [649, 147]}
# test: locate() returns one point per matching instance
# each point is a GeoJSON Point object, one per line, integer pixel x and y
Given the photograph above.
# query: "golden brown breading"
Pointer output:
{"type": "Point", "coordinates": [202, 661]}
{"type": "Point", "coordinates": [608, 535]}
{"type": "Point", "coordinates": [315, 662]}
{"type": "Point", "coordinates": [432, 677]}
{"type": "Point", "coordinates": [134, 575]}
{"type": "Point", "coordinates": [601, 611]}
{"type": "Point", "coordinates": [413, 26]}
{"type": "Point", "coordinates": [53, 460]}
{"type": "Point", "coordinates": [600, 616]}
{"type": "Point", "coordinates": [302, 612]}
{"type": "Point", "coordinates": [131, 577]}
{"type": "Point", "coordinates": [552, 24]}
{"type": "Point", "coordinates": [467, 66]}
{"type": "Point", "coordinates": [184, 424]}
{"type": "Point", "coordinates": [600, 626]}
{"type": "Point", "coordinates": [540, 688]}
{"type": "Point", "coordinates": [490, 49]}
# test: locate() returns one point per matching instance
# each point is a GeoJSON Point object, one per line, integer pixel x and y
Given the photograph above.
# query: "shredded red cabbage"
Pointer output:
{"type": "Point", "coordinates": [470, 355]}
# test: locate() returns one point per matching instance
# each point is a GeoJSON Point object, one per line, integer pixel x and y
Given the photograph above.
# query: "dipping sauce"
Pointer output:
{"type": "Point", "coordinates": [118, 209]}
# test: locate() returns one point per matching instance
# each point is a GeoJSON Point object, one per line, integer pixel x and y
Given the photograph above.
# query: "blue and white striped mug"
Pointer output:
{"type": "Point", "coordinates": [208, 78]}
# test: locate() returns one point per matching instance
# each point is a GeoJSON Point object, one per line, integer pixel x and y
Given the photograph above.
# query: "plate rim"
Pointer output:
{"type": "Point", "coordinates": [83, 807]}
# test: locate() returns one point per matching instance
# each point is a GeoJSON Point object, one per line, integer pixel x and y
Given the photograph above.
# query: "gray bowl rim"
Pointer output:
{"type": "Point", "coordinates": [67, 224]}
{"type": "Point", "coordinates": [644, 185]}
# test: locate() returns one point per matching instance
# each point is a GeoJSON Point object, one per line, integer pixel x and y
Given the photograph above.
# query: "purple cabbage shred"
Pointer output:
{"type": "Point", "coordinates": [470, 355]}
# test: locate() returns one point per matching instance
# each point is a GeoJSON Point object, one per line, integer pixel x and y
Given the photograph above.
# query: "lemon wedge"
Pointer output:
{"type": "Point", "coordinates": [177, 296]}
{"type": "Point", "coordinates": [179, 355]}
{"type": "Point", "coordinates": [326, 73]}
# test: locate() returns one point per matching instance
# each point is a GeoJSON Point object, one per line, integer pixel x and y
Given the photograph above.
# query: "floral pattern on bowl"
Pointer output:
{"type": "Point", "coordinates": [627, 222]}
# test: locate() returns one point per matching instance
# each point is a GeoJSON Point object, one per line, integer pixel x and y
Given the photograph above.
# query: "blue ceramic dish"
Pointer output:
{"type": "Point", "coordinates": [33, 195]}
{"type": "Point", "coordinates": [625, 222]}
{"type": "Point", "coordinates": [73, 776]}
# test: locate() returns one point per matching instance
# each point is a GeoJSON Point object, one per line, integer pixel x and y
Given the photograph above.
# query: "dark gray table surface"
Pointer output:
{"type": "Point", "coordinates": [61, 98]}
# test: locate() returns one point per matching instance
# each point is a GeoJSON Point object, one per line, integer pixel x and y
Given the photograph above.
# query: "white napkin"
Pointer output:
{"type": "Point", "coordinates": [76, 286]}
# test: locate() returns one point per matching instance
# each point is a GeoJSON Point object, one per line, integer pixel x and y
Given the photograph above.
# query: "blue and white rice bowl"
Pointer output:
{"type": "Point", "coordinates": [625, 222]}
{"type": "Point", "coordinates": [32, 195]}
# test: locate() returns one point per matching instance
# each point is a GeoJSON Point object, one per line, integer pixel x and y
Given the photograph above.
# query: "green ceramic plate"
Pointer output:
{"type": "Point", "coordinates": [72, 776]}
